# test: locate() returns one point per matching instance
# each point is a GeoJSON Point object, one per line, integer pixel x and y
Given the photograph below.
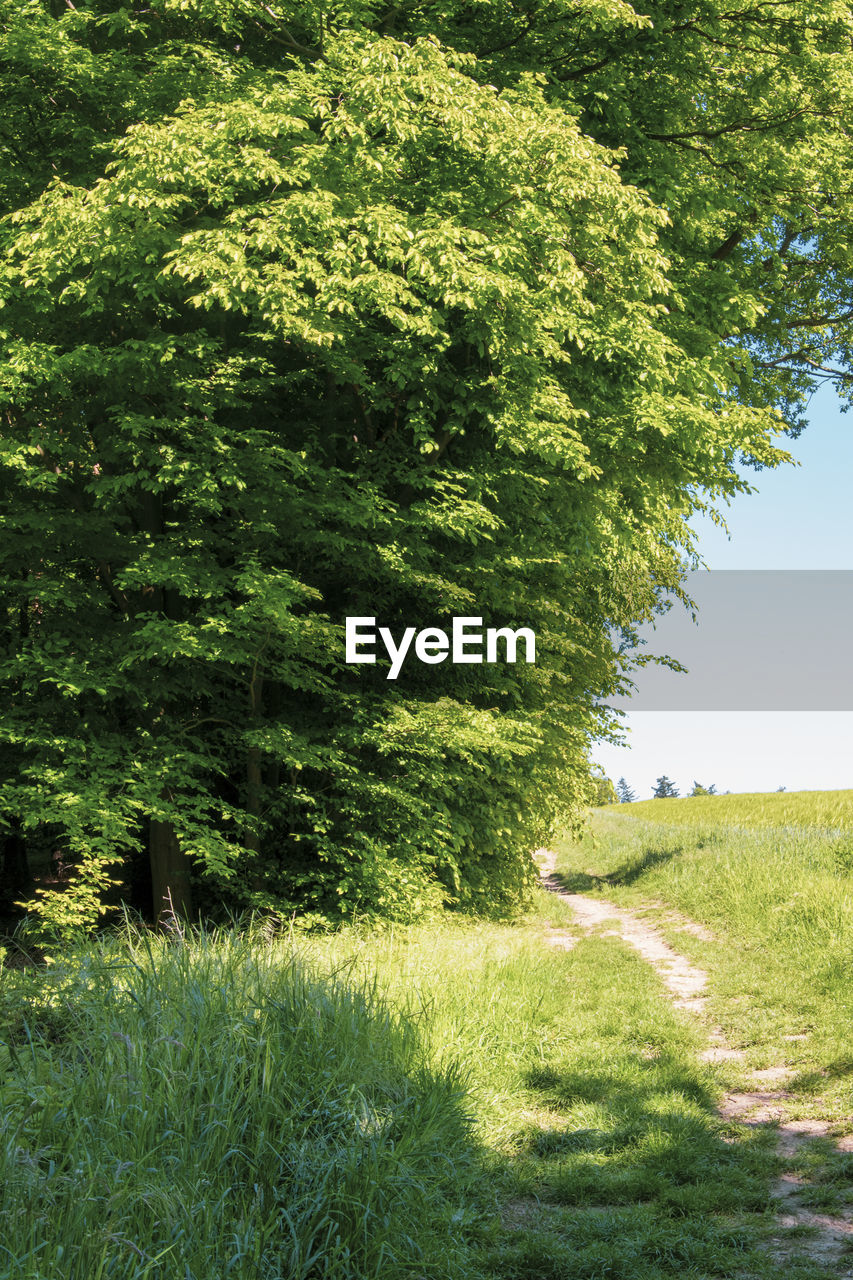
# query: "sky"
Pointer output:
{"type": "Point", "coordinates": [801, 517]}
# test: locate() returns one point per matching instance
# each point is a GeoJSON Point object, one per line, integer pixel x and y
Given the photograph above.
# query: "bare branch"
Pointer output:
{"type": "Point", "coordinates": [799, 357]}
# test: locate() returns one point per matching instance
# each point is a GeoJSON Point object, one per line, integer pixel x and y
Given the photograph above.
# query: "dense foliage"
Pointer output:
{"type": "Point", "coordinates": [409, 311]}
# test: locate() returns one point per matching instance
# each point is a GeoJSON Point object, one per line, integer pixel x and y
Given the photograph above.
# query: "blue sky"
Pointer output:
{"type": "Point", "coordinates": [801, 517]}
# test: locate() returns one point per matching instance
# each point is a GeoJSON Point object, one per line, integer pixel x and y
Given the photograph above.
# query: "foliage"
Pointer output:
{"type": "Point", "coordinates": [664, 788]}
{"type": "Point", "coordinates": [412, 312]}
{"type": "Point", "coordinates": [603, 790]}
{"type": "Point", "coordinates": [699, 790]}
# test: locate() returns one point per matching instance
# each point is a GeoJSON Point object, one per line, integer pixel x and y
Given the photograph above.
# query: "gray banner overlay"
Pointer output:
{"type": "Point", "coordinates": [763, 640]}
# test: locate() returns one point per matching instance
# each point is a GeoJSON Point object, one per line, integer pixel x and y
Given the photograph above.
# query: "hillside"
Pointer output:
{"type": "Point", "coordinates": [774, 809]}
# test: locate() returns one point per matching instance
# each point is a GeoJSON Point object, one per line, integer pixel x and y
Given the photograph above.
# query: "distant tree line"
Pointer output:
{"type": "Point", "coordinates": [665, 789]}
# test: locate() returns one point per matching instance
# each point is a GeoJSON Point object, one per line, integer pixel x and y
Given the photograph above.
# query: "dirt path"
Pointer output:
{"type": "Point", "coordinates": [832, 1237]}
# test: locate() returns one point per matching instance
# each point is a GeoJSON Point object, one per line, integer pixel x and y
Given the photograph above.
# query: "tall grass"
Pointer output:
{"type": "Point", "coordinates": [363, 1106]}
{"type": "Point", "coordinates": [217, 1107]}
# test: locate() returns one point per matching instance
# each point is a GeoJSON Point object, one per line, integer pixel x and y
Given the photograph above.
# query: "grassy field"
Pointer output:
{"type": "Point", "coordinates": [772, 879]}
{"type": "Point", "coordinates": [460, 1100]}
{"type": "Point", "coordinates": [810, 810]}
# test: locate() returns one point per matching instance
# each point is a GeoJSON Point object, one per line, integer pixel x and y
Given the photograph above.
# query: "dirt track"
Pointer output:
{"type": "Point", "coordinates": [832, 1236]}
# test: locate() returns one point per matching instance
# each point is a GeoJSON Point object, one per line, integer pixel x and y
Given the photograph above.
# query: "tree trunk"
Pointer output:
{"type": "Point", "coordinates": [15, 878]}
{"type": "Point", "coordinates": [171, 891]}
{"type": "Point", "coordinates": [254, 773]}
{"type": "Point", "coordinates": [170, 879]}
{"type": "Point", "coordinates": [254, 789]}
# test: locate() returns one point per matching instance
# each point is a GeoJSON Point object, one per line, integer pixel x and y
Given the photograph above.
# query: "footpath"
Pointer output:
{"type": "Point", "coordinates": [830, 1238]}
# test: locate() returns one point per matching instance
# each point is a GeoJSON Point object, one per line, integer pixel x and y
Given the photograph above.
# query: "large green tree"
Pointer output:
{"type": "Point", "coordinates": [401, 311]}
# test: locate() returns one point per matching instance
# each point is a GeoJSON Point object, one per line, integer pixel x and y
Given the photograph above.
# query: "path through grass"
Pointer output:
{"type": "Point", "coordinates": [771, 924]}
{"type": "Point", "coordinates": [455, 1101]}
{"type": "Point", "coordinates": [778, 902]}
{"type": "Point", "coordinates": [460, 1101]}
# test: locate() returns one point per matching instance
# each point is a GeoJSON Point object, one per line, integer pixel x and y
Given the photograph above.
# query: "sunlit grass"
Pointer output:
{"type": "Point", "coordinates": [366, 1105]}
{"type": "Point", "coordinates": [779, 902]}
{"type": "Point", "coordinates": [810, 809]}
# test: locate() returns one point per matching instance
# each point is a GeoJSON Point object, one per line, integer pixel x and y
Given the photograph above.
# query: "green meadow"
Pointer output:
{"type": "Point", "coordinates": [811, 810]}
{"type": "Point", "coordinates": [456, 1099]}
{"type": "Point", "coordinates": [771, 878]}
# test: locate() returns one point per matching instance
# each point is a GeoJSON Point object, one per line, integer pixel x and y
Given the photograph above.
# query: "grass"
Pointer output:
{"type": "Point", "coordinates": [458, 1100]}
{"type": "Point", "coordinates": [809, 810]}
{"type": "Point", "coordinates": [779, 903]}
{"type": "Point", "coordinates": [359, 1106]}
{"type": "Point", "coordinates": [217, 1108]}
{"type": "Point", "coordinates": [776, 901]}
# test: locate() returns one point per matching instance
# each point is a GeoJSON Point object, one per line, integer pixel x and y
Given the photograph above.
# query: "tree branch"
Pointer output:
{"type": "Point", "coordinates": [728, 246]}
{"type": "Point", "coordinates": [754, 125]}
{"type": "Point", "coordinates": [104, 575]}
{"type": "Point", "coordinates": [842, 374]}
{"type": "Point", "coordinates": [288, 39]}
{"type": "Point", "coordinates": [816, 322]}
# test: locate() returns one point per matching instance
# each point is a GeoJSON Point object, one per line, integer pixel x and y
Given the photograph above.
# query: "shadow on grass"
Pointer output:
{"type": "Point", "coordinates": [641, 1180]}
{"type": "Point", "coordinates": [627, 874]}
{"type": "Point", "coordinates": [812, 1081]}
{"type": "Point", "coordinates": [623, 1091]}
{"type": "Point", "coordinates": [574, 881]}
{"type": "Point", "coordinates": [634, 870]}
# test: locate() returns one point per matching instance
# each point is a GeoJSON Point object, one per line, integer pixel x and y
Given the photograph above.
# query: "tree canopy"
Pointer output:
{"type": "Point", "coordinates": [410, 311]}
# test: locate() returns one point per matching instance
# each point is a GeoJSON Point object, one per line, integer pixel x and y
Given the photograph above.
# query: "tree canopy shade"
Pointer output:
{"type": "Point", "coordinates": [408, 311]}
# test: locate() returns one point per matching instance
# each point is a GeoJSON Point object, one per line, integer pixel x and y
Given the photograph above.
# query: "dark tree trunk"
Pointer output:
{"type": "Point", "coordinates": [171, 890]}
{"type": "Point", "coordinates": [254, 789]}
{"type": "Point", "coordinates": [254, 773]}
{"type": "Point", "coordinates": [170, 877]}
{"type": "Point", "coordinates": [15, 878]}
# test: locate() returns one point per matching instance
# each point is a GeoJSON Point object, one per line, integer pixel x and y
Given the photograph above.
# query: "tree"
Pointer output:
{"type": "Point", "coordinates": [664, 789]}
{"type": "Point", "coordinates": [699, 790]}
{"type": "Point", "coordinates": [603, 790]}
{"type": "Point", "coordinates": [410, 312]}
{"type": "Point", "coordinates": [625, 793]}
